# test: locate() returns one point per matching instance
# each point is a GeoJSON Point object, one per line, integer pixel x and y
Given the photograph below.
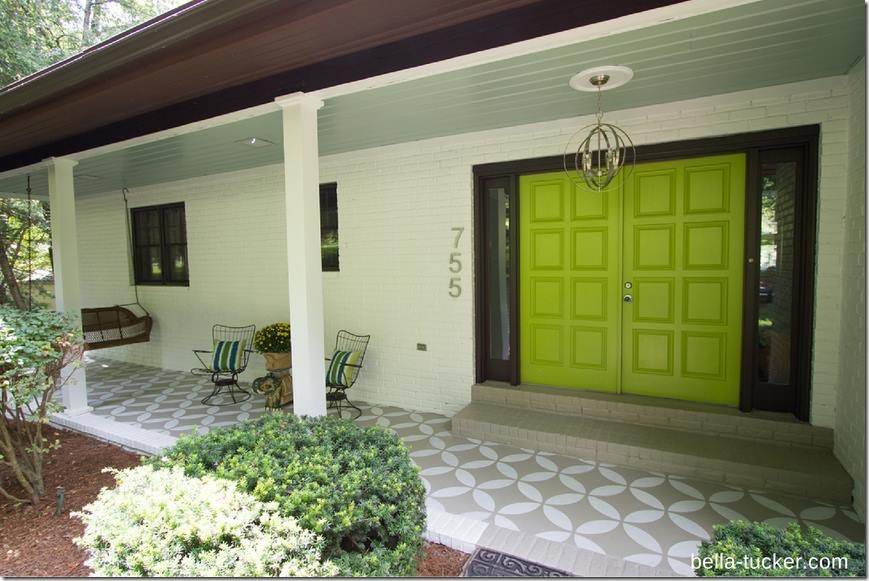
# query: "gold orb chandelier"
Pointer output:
{"type": "Point", "coordinates": [597, 153]}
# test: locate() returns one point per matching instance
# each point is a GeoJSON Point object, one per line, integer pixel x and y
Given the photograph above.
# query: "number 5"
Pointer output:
{"type": "Point", "coordinates": [455, 289]}
{"type": "Point", "coordinates": [455, 263]}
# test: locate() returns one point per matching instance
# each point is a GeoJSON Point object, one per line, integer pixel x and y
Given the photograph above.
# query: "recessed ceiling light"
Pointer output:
{"type": "Point", "coordinates": [255, 142]}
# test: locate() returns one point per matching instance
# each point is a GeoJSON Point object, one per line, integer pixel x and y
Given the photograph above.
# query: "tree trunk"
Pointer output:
{"type": "Point", "coordinates": [11, 283]}
{"type": "Point", "coordinates": [86, 23]}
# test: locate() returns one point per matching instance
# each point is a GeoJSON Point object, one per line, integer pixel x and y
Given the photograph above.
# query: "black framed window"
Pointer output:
{"type": "Point", "coordinates": [329, 226]}
{"type": "Point", "coordinates": [160, 245]}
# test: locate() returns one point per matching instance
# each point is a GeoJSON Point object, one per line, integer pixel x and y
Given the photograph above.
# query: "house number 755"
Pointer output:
{"type": "Point", "coordinates": [456, 263]}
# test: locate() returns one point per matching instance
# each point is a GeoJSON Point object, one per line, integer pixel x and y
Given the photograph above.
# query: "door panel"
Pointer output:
{"type": "Point", "coordinates": [683, 248]}
{"type": "Point", "coordinates": [569, 291]}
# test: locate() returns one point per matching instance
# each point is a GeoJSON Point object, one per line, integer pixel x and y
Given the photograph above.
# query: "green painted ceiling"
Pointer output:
{"type": "Point", "coordinates": [760, 44]}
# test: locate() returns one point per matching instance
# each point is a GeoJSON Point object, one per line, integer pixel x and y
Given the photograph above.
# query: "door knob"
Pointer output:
{"type": "Point", "coordinates": [628, 298]}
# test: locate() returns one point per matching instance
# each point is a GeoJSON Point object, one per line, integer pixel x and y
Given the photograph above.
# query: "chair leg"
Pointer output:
{"type": "Point", "coordinates": [350, 404]}
{"type": "Point", "coordinates": [231, 383]}
{"type": "Point", "coordinates": [238, 390]}
{"type": "Point", "coordinates": [214, 391]}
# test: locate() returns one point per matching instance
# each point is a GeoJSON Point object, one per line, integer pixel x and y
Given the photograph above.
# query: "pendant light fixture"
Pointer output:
{"type": "Point", "coordinates": [597, 153]}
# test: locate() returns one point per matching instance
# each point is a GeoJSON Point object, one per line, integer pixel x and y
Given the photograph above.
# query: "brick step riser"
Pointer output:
{"type": "Point", "coordinates": [730, 473]}
{"type": "Point", "coordinates": [747, 428]}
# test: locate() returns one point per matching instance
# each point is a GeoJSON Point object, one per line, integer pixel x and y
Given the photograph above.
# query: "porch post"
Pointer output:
{"type": "Point", "coordinates": [67, 293]}
{"type": "Point", "coordinates": [302, 194]}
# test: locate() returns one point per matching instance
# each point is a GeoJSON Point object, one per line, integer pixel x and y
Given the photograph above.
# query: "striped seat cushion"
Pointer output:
{"type": "Point", "coordinates": [341, 370]}
{"type": "Point", "coordinates": [228, 355]}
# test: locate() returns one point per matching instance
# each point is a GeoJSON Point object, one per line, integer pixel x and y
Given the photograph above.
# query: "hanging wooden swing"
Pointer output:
{"type": "Point", "coordinates": [105, 327]}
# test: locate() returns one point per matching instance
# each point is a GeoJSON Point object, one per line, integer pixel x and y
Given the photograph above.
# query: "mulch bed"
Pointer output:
{"type": "Point", "coordinates": [35, 543]}
{"type": "Point", "coordinates": [441, 561]}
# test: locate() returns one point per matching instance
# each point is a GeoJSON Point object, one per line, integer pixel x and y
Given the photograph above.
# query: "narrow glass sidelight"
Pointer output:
{"type": "Point", "coordinates": [776, 271]}
{"type": "Point", "coordinates": [498, 271]}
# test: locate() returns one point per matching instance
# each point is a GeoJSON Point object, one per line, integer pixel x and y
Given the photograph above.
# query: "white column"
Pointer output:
{"type": "Point", "coordinates": [302, 189]}
{"type": "Point", "coordinates": [67, 291]}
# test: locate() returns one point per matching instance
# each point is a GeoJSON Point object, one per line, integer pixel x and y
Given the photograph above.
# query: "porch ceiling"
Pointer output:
{"type": "Point", "coordinates": [759, 44]}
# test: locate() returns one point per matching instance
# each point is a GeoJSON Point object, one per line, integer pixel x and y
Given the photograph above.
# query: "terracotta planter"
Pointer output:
{"type": "Point", "coordinates": [278, 360]}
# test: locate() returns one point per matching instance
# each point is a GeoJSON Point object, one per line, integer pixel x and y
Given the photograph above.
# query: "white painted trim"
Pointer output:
{"type": "Point", "coordinates": [586, 33]}
{"type": "Point", "coordinates": [298, 98]}
{"type": "Point", "coordinates": [128, 436]}
{"type": "Point", "coordinates": [453, 530]}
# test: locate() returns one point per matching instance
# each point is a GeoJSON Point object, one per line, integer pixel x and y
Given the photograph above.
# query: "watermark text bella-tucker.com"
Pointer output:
{"type": "Point", "coordinates": [725, 562]}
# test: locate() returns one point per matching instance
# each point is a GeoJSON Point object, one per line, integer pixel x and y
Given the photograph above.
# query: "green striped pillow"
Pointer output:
{"type": "Point", "coordinates": [228, 355]}
{"type": "Point", "coordinates": [340, 367]}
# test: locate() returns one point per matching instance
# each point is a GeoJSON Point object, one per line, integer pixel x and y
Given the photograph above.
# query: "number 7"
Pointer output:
{"type": "Point", "coordinates": [458, 230]}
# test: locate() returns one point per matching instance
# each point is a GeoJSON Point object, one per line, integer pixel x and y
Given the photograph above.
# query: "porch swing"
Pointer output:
{"type": "Point", "coordinates": [104, 327]}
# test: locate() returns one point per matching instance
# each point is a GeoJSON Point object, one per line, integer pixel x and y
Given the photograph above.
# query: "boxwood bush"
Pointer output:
{"type": "Point", "coordinates": [161, 523]}
{"type": "Point", "coordinates": [354, 486]}
{"type": "Point", "coordinates": [741, 549]}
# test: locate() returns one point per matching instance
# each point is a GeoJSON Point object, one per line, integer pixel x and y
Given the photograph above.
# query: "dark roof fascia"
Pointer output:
{"type": "Point", "coordinates": [151, 37]}
{"type": "Point", "coordinates": [515, 25]}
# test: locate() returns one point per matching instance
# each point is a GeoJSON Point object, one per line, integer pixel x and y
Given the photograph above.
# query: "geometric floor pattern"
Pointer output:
{"type": "Point", "coordinates": [645, 517]}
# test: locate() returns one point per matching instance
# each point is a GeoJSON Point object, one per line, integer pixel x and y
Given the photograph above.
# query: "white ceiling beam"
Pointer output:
{"type": "Point", "coordinates": [24, 170]}
{"type": "Point", "coordinates": [209, 123]}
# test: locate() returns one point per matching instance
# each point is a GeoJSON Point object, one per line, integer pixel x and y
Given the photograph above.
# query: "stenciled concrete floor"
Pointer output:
{"type": "Point", "coordinates": [646, 518]}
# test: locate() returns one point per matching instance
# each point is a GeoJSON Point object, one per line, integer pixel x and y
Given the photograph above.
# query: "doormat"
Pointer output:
{"type": "Point", "coordinates": [488, 563]}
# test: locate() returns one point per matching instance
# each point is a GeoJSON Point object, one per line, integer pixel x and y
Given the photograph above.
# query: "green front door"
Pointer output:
{"type": "Point", "coordinates": [638, 289]}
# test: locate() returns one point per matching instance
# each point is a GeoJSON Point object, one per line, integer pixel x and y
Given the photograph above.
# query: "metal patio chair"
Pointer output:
{"type": "Point", "coordinates": [229, 356]}
{"type": "Point", "coordinates": [344, 367]}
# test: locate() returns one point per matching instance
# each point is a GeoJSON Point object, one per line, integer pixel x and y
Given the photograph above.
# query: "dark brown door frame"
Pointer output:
{"type": "Point", "coordinates": [804, 138]}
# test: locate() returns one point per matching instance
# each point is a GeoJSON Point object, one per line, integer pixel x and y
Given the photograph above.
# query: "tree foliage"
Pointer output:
{"type": "Point", "coordinates": [33, 35]}
{"type": "Point", "coordinates": [25, 240]}
{"type": "Point", "coordinates": [35, 346]}
{"type": "Point", "coordinates": [36, 33]}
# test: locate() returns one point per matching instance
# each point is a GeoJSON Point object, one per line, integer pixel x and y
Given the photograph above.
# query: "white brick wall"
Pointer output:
{"type": "Point", "coordinates": [850, 426]}
{"type": "Point", "coordinates": [397, 205]}
{"type": "Point", "coordinates": [237, 254]}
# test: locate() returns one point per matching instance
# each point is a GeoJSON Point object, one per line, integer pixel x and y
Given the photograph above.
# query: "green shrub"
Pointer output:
{"type": "Point", "coordinates": [34, 347]}
{"type": "Point", "coordinates": [163, 523]}
{"type": "Point", "coordinates": [354, 486]}
{"type": "Point", "coordinates": [741, 549]}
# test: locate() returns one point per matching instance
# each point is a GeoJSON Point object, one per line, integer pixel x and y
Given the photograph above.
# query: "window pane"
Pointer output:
{"type": "Point", "coordinates": [173, 222]}
{"type": "Point", "coordinates": [177, 267]}
{"type": "Point", "coordinates": [775, 312]}
{"type": "Point", "coordinates": [498, 275]}
{"type": "Point", "coordinates": [329, 226]}
{"type": "Point", "coordinates": [148, 264]}
{"type": "Point", "coordinates": [146, 224]}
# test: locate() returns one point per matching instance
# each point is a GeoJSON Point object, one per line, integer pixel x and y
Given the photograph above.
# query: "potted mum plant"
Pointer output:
{"type": "Point", "coordinates": [273, 342]}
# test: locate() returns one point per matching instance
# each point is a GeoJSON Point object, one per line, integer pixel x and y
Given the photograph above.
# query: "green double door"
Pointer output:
{"type": "Point", "coordinates": [637, 289]}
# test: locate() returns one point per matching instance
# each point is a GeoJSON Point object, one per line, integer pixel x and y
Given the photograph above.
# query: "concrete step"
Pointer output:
{"type": "Point", "coordinates": [665, 413]}
{"type": "Point", "coordinates": [759, 465]}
